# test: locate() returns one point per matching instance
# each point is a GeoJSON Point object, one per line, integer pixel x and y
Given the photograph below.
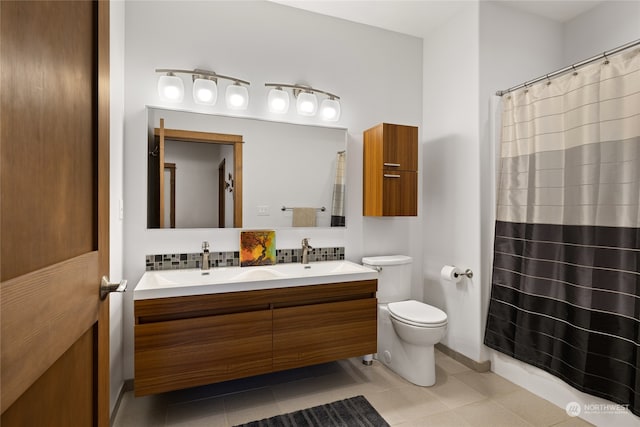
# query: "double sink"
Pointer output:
{"type": "Point", "coordinates": [175, 283]}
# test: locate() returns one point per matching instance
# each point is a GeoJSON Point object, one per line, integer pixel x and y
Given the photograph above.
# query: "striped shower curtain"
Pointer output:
{"type": "Point", "coordinates": [565, 293]}
{"type": "Point", "coordinates": [337, 208]}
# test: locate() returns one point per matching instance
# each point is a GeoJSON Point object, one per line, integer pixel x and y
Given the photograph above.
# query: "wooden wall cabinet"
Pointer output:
{"type": "Point", "coordinates": [190, 341]}
{"type": "Point", "coordinates": [390, 170]}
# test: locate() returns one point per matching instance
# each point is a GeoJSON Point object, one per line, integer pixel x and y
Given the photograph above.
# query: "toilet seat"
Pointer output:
{"type": "Point", "coordinates": [417, 313]}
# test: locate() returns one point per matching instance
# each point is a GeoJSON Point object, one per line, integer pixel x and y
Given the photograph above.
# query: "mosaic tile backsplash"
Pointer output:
{"type": "Point", "coordinates": [232, 259]}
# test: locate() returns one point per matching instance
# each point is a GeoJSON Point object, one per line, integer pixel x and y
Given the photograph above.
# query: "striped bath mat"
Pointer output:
{"type": "Point", "coordinates": [352, 412]}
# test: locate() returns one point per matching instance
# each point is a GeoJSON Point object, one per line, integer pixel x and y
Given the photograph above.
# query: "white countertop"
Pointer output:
{"type": "Point", "coordinates": [177, 283]}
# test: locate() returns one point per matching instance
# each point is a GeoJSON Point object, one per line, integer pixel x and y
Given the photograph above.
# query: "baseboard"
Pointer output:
{"type": "Point", "coordinates": [469, 363]}
{"type": "Point", "coordinates": [126, 386]}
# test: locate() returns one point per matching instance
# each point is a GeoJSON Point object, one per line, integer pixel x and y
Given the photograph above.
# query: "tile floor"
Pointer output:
{"type": "Point", "coordinates": [461, 397]}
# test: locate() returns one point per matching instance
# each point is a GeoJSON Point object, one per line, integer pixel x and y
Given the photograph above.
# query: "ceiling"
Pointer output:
{"type": "Point", "coordinates": [418, 17]}
{"type": "Point", "coordinates": [556, 10]}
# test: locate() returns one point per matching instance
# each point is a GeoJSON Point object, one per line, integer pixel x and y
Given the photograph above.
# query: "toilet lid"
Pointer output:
{"type": "Point", "coordinates": [417, 312]}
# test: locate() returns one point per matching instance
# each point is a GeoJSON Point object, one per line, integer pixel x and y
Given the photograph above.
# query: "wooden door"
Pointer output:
{"type": "Point", "coordinates": [222, 207]}
{"type": "Point", "coordinates": [400, 193]}
{"type": "Point", "coordinates": [161, 173]}
{"type": "Point", "coordinates": [170, 205]}
{"type": "Point", "coordinates": [54, 179]}
{"type": "Point", "coordinates": [400, 147]}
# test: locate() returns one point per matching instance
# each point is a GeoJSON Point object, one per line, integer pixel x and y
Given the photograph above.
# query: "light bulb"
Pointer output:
{"type": "Point", "coordinates": [307, 104]}
{"type": "Point", "coordinates": [205, 91]}
{"type": "Point", "coordinates": [278, 101]}
{"type": "Point", "coordinates": [330, 110]}
{"type": "Point", "coordinates": [171, 88]}
{"type": "Point", "coordinates": [237, 97]}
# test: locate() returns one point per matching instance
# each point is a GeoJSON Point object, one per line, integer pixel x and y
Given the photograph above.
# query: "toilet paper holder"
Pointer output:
{"type": "Point", "coordinates": [467, 273]}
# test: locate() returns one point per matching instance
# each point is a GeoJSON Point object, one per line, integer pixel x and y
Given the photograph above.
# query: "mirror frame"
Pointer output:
{"type": "Point", "coordinates": [161, 134]}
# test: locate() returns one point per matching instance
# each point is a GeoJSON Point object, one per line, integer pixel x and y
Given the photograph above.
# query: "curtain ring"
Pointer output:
{"type": "Point", "coordinates": [606, 58]}
{"type": "Point", "coordinates": [548, 80]}
{"type": "Point", "coordinates": [575, 73]}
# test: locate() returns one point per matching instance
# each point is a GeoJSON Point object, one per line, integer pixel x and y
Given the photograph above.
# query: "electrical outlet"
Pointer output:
{"type": "Point", "coordinates": [263, 210]}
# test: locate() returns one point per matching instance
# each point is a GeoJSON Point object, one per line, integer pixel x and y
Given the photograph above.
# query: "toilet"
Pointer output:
{"type": "Point", "coordinates": [407, 329]}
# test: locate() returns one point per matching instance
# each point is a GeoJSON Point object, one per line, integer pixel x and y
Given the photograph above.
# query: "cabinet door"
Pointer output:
{"type": "Point", "coordinates": [400, 147]}
{"type": "Point", "coordinates": [400, 193]}
{"type": "Point", "coordinates": [320, 333]}
{"type": "Point", "coordinates": [185, 353]}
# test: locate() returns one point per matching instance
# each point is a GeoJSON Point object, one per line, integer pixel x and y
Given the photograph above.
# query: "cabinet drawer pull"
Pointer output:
{"type": "Point", "coordinates": [394, 165]}
{"type": "Point", "coordinates": [388, 175]}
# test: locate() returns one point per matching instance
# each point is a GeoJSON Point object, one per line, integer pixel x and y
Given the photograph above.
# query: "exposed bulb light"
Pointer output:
{"type": "Point", "coordinates": [306, 101]}
{"type": "Point", "coordinates": [237, 97]}
{"type": "Point", "coordinates": [330, 110]}
{"type": "Point", "coordinates": [205, 88]}
{"type": "Point", "coordinates": [171, 88]}
{"type": "Point", "coordinates": [307, 104]}
{"type": "Point", "coordinates": [205, 91]}
{"type": "Point", "coordinates": [278, 100]}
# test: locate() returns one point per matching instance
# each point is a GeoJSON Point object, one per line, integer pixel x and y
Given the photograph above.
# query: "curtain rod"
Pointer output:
{"type": "Point", "coordinates": [570, 67]}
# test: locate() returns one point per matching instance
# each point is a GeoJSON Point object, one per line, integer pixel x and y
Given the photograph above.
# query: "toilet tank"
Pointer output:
{"type": "Point", "coordinates": [394, 276]}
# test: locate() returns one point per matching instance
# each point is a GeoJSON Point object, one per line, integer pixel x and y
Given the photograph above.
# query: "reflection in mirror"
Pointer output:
{"type": "Point", "coordinates": [199, 198]}
{"type": "Point", "coordinates": [280, 165]}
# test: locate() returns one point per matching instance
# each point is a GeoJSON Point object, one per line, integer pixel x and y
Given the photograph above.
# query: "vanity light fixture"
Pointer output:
{"type": "Point", "coordinates": [237, 97]}
{"type": "Point", "coordinates": [205, 88]}
{"type": "Point", "coordinates": [330, 109]}
{"type": "Point", "coordinates": [306, 101]}
{"type": "Point", "coordinates": [278, 100]}
{"type": "Point", "coordinates": [170, 87]}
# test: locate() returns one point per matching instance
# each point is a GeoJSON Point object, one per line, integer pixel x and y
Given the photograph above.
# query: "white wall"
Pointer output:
{"type": "Point", "coordinates": [196, 183]}
{"type": "Point", "coordinates": [451, 200]}
{"type": "Point", "coordinates": [605, 27]}
{"type": "Point", "coordinates": [227, 153]}
{"type": "Point", "coordinates": [116, 131]}
{"type": "Point", "coordinates": [377, 74]}
{"type": "Point", "coordinates": [515, 47]}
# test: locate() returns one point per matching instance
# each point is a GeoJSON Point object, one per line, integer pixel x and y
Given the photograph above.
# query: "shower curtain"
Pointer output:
{"type": "Point", "coordinates": [337, 206]}
{"type": "Point", "coordinates": [565, 293]}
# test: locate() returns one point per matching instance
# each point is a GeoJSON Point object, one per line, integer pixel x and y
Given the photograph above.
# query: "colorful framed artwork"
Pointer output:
{"type": "Point", "coordinates": [257, 247]}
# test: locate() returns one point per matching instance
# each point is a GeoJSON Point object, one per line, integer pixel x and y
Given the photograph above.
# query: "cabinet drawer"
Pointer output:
{"type": "Point", "coordinates": [321, 333]}
{"type": "Point", "coordinates": [399, 193]}
{"type": "Point", "coordinates": [191, 352]}
{"type": "Point", "coordinates": [400, 147]}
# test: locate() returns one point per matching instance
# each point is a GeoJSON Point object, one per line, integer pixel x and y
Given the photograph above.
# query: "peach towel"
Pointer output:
{"type": "Point", "coordinates": [304, 217]}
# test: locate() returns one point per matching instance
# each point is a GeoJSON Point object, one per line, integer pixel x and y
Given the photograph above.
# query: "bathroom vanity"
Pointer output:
{"type": "Point", "coordinates": [196, 327]}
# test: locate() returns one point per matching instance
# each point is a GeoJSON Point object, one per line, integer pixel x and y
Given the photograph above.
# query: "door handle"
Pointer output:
{"type": "Point", "coordinates": [393, 165]}
{"type": "Point", "coordinates": [389, 175]}
{"type": "Point", "coordinates": [106, 288]}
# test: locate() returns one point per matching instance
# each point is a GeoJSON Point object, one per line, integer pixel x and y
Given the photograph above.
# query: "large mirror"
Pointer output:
{"type": "Point", "coordinates": [223, 171]}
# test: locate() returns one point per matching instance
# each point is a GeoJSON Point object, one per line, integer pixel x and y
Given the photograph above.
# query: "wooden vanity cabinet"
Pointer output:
{"type": "Point", "coordinates": [195, 340]}
{"type": "Point", "coordinates": [319, 333]}
{"type": "Point", "coordinates": [390, 170]}
{"type": "Point", "coordinates": [188, 352]}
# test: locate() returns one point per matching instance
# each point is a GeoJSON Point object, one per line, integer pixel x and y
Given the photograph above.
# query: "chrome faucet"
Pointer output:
{"type": "Point", "coordinates": [305, 250]}
{"type": "Point", "coordinates": [205, 256]}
